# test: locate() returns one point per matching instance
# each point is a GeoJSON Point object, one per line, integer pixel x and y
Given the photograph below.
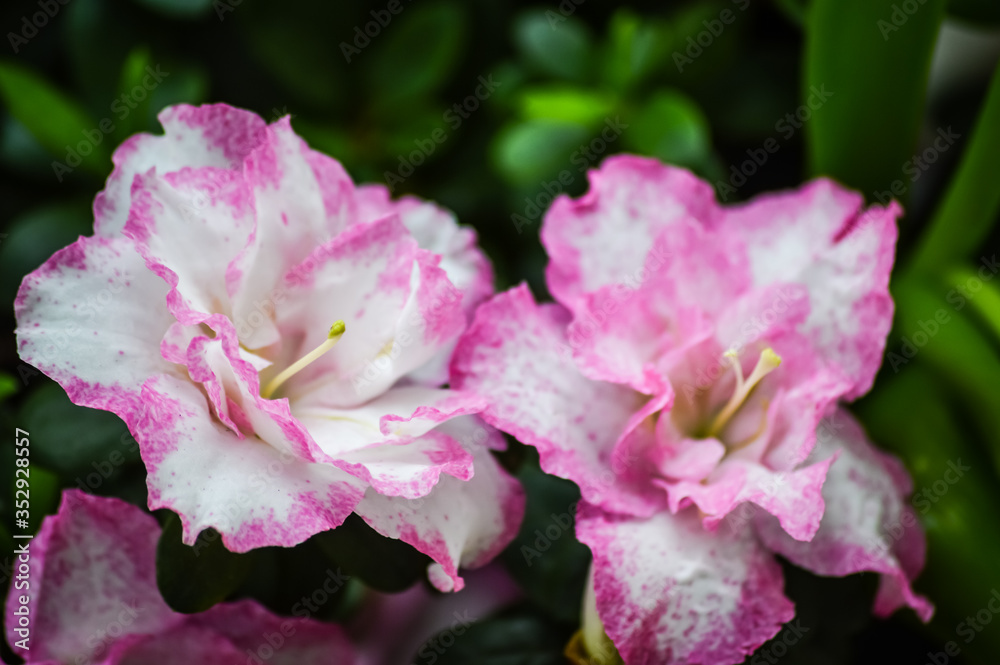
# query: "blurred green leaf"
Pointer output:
{"type": "Point", "coordinates": [95, 52]}
{"type": "Point", "coordinates": [515, 638]}
{"type": "Point", "coordinates": [75, 440]}
{"type": "Point", "coordinates": [35, 236]}
{"type": "Point", "coordinates": [636, 46]}
{"type": "Point", "coordinates": [545, 558]}
{"type": "Point", "coordinates": [566, 104]}
{"type": "Point", "coordinates": [553, 44]}
{"type": "Point", "coordinates": [872, 60]}
{"type": "Point", "coordinates": [972, 203]}
{"type": "Point", "coordinates": [185, 9]}
{"type": "Point", "coordinates": [45, 494]}
{"type": "Point", "coordinates": [954, 347]}
{"type": "Point", "coordinates": [133, 71]}
{"type": "Point", "coordinates": [184, 85]}
{"type": "Point", "coordinates": [986, 300]}
{"type": "Point", "coordinates": [193, 578]}
{"type": "Point", "coordinates": [670, 126]}
{"type": "Point", "coordinates": [418, 51]}
{"type": "Point", "coordinates": [382, 563]}
{"type": "Point", "coordinates": [529, 152]}
{"type": "Point", "coordinates": [53, 118]}
{"type": "Point", "coordinates": [911, 415]}
{"type": "Point", "coordinates": [8, 385]}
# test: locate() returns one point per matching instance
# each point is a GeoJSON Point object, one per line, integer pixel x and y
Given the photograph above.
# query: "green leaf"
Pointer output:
{"type": "Point", "coordinates": [911, 414]}
{"type": "Point", "coordinates": [85, 445]}
{"type": "Point", "coordinates": [530, 152]}
{"type": "Point", "coordinates": [670, 126]}
{"type": "Point", "coordinates": [545, 558]}
{"type": "Point", "coordinates": [636, 46]}
{"type": "Point", "coordinates": [417, 52]}
{"type": "Point", "coordinates": [985, 301]}
{"type": "Point", "coordinates": [8, 385]}
{"type": "Point", "coordinates": [935, 326]}
{"type": "Point", "coordinates": [382, 563]}
{"type": "Point", "coordinates": [553, 44]}
{"type": "Point", "coordinates": [874, 73]}
{"type": "Point", "coordinates": [566, 104]}
{"type": "Point", "coordinates": [35, 236]}
{"type": "Point", "coordinates": [970, 207]}
{"type": "Point", "coordinates": [133, 72]}
{"type": "Point", "coordinates": [58, 122]}
{"type": "Point", "coordinates": [518, 638]}
{"type": "Point", "coordinates": [194, 578]}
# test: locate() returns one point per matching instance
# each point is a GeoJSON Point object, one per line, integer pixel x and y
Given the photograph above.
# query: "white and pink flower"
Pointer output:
{"type": "Point", "coordinates": [688, 380]}
{"type": "Point", "coordinates": [277, 340]}
{"type": "Point", "coordinates": [93, 601]}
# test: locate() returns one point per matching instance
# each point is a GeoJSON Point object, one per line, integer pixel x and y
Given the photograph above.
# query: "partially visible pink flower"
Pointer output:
{"type": "Point", "coordinates": [688, 381]}
{"type": "Point", "coordinates": [228, 260]}
{"type": "Point", "coordinates": [93, 600]}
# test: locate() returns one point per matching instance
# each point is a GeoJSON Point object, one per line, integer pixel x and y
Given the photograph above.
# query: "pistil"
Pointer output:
{"type": "Point", "coordinates": [336, 332]}
{"type": "Point", "coordinates": [767, 363]}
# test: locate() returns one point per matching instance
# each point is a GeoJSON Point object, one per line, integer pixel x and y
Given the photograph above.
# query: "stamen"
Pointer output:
{"type": "Point", "coordinates": [768, 362]}
{"type": "Point", "coordinates": [336, 332]}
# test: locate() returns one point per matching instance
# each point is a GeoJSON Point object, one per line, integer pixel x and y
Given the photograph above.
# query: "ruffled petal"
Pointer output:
{"type": "Point", "coordinates": [604, 237]}
{"type": "Point", "coordinates": [188, 225]}
{"type": "Point", "coordinates": [93, 580]}
{"type": "Point", "coordinates": [515, 354]}
{"type": "Point", "coordinates": [250, 492]}
{"type": "Point", "coordinates": [460, 523]}
{"type": "Point", "coordinates": [670, 593]}
{"type": "Point", "coordinates": [821, 236]}
{"type": "Point", "coordinates": [214, 135]}
{"type": "Point", "coordinates": [92, 318]}
{"type": "Point", "coordinates": [866, 526]}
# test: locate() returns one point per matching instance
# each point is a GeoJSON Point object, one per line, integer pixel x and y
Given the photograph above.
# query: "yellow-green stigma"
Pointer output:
{"type": "Point", "coordinates": [336, 332]}
{"type": "Point", "coordinates": [767, 363]}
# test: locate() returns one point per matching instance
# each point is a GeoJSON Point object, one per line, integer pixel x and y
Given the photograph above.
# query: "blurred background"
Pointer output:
{"type": "Point", "coordinates": [493, 107]}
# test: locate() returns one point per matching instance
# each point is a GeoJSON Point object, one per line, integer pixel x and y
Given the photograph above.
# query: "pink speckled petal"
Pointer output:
{"type": "Point", "coordinates": [515, 354]}
{"type": "Point", "coordinates": [249, 491]}
{"type": "Point", "coordinates": [400, 412]}
{"type": "Point", "coordinates": [293, 640]}
{"type": "Point", "coordinates": [291, 222]}
{"type": "Point", "coordinates": [214, 135]}
{"type": "Point", "coordinates": [92, 318]}
{"type": "Point", "coordinates": [671, 593]}
{"type": "Point", "coordinates": [866, 527]}
{"type": "Point", "coordinates": [460, 523]}
{"type": "Point", "coordinates": [820, 236]}
{"type": "Point", "coordinates": [435, 229]}
{"type": "Point", "coordinates": [93, 580]}
{"type": "Point", "coordinates": [604, 237]}
{"type": "Point", "coordinates": [188, 225]}
{"type": "Point", "coordinates": [186, 644]}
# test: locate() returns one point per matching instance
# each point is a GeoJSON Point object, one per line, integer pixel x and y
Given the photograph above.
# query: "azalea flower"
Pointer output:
{"type": "Point", "coordinates": [276, 340]}
{"type": "Point", "coordinates": [93, 600]}
{"type": "Point", "coordinates": [688, 379]}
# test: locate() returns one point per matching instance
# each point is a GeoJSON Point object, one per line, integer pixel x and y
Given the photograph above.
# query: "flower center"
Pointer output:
{"type": "Point", "coordinates": [336, 332]}
{"type": "Point", "coordinates": [767, 363]}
